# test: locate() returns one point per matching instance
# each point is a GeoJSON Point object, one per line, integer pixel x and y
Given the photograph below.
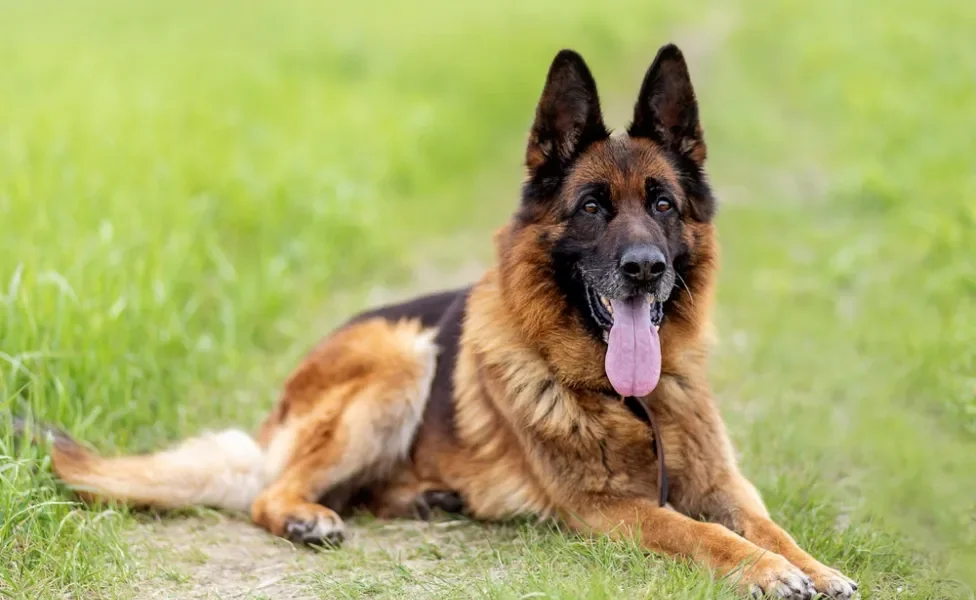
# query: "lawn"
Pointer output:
{"type": "Point", "coordinates": [192, 193]}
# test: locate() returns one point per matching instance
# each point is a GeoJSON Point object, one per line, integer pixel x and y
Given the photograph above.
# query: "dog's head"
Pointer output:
{"type": "Point", "coordinates": [619, 225]}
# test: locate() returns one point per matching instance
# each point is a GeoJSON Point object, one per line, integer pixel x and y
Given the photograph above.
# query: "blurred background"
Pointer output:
{"type": "Point", "coordinates": [192, 193]}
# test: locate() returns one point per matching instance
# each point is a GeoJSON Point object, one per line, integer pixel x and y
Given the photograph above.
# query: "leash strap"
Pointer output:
{"type": "Point", "coordinates": [662, 471]}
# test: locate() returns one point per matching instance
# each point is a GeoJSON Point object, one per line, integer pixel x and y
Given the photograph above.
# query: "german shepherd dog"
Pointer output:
{"type": "Point", "coordinates": [536, 391]}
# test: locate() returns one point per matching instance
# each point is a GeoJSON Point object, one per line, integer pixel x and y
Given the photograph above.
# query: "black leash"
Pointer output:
{"type": "Point", "coordinates": [662, 471]}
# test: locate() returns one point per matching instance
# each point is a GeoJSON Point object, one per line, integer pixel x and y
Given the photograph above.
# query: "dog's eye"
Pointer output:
{"type": "Point", "coordinates": [662, 204]}
{"type": "Point", "coordinates": [591, 207]}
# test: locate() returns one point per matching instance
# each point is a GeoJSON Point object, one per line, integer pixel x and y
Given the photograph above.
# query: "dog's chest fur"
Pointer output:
{"type": "Point", "coordinates": [530, 443]}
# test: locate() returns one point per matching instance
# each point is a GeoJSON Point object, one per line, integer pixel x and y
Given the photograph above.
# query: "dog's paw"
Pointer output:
{"type": "Point", "coordinates": [774, 577]}
{"type": "Point", "coordinates": [831, 583]}
{"type": "Point", "coordinates": [324, 529]}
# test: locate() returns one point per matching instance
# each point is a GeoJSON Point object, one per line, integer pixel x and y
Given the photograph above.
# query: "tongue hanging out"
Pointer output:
{"type": "Point", "coordinates": [634, 349]}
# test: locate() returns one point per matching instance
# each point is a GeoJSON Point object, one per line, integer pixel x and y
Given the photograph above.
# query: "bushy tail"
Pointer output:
{"type": "Point", "coordinates": [221, 470]}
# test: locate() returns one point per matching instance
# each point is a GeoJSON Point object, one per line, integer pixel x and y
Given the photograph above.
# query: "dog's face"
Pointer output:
{"type": "Point", "coordinates": [621, 212]}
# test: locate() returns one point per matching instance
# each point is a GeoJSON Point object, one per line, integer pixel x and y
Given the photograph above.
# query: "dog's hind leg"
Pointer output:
{"type": "Point", "coordinates": [348, 417]}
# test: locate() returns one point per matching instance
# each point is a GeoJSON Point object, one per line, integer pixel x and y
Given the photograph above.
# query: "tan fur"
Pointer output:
{"type": "Point", "coordinates": [217, 469]}
{"type": "Point", "coordinates": [348, 417]}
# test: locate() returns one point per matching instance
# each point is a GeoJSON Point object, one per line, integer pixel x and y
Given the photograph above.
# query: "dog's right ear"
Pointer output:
{"type": "Point", "coordinates": [567, 120]}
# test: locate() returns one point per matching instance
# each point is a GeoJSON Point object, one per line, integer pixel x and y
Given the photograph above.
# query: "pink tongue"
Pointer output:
{"type": "Point", "coordinates": [634, 349]}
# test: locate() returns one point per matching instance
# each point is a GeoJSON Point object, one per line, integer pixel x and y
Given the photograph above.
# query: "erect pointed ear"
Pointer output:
{"type": "Point", "coordinates": [567, 119]}
{"type": "Point", "coordinates": [666, 109]}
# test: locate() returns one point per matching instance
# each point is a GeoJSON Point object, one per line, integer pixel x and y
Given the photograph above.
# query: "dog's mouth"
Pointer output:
{"type": "Point", "coordinates": [601, 308]}
{"type": "Point", "coordinates": [631, 324]}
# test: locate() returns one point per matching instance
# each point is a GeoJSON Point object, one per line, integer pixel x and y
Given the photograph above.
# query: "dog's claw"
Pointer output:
{"type": "Point", "coordinates": [833, 584]}
{"type": "Point", "coordinates": [323, 531]}
{"type": "Point", "coordinates": [782, 580]}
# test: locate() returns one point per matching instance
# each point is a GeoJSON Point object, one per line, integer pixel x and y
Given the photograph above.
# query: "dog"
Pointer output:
{"type": "Point", "coordinates": [569, 382]}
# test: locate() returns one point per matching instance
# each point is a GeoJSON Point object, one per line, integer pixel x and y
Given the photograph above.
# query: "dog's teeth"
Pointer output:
{"type": "Point", "coordinates": [650, 298]}
{"type": "Point", "coordinates": [657, 328]}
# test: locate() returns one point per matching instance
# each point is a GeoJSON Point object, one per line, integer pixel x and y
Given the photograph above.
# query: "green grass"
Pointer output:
{"type": "Point", "coordinates": [190, 194]}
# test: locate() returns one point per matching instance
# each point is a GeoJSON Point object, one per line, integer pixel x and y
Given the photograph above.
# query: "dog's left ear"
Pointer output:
{"type": "Point", "coordinates": [666, 109]}
{"type": "Point", "coordinates": [567, 120]}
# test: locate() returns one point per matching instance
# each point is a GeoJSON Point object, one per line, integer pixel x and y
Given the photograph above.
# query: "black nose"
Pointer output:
{"type": "Point", "coordinates": [643, 264]}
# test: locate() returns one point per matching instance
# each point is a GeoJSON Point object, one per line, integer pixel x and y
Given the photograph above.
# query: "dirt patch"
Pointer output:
{"type": "Point", "coordinates": [215, 557]}
{"type": "Point", "coordinates": [219, 556]}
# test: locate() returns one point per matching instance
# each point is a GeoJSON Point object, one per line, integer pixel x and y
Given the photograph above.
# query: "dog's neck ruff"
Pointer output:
{"type": "Point", "coordinates": [662, 471]}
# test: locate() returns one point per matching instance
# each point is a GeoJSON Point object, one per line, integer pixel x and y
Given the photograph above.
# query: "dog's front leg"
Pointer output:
{"type": "Point", "coordinates": [665, 531]}
{"type": "Point", "coordinates": [736, 504]}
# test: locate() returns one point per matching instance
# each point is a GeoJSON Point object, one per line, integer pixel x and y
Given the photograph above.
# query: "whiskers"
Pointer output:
{"type": "Point", "coordinates": [685, 285]}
